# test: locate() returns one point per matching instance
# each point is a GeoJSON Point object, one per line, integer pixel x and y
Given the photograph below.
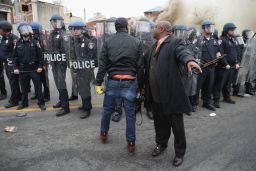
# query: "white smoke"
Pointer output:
{"type": "Point", "coordinates": [193, 12]}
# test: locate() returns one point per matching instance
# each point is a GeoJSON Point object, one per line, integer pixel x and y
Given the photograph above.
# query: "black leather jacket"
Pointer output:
{"type": "Point", "coordinates": [121, 54]}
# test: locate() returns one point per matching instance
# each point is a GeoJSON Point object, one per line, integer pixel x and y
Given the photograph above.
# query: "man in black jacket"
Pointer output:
{"type": "Point", "coordinates": [165, 91]}
{"type": "Point", "coordinates": [122, 59]}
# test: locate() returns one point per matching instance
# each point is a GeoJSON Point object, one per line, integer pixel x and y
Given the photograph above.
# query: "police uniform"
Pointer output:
{"type": "Point", "coordinates": [83, 59]}
{"type": "Point", "coordinates": [224, 77]}
{"type": "Point", "coordinates": [6, 52]}
{"type": "Point", "coordinates": [209, 49]}
{"type": "Point", "coordinates": [44, 74]}
{"type": "Point", "coordinates": [190, 81]}
{"type": "Point", "coordinates": [28, 58]}
{"type": "Point", "coordinates": [57, 45]}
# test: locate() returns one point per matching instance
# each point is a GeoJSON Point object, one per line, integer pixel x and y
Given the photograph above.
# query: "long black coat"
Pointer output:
{"type": "Point", "coordinates": [172, 53]}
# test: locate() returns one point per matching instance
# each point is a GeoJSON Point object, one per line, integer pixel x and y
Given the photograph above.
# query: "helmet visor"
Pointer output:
{"type": "Point", "coordinates": [249, 34]}
{"type": "Point", "coordinates": [25, 29]}
{"type": "Point", "coordinates": [57, 24]}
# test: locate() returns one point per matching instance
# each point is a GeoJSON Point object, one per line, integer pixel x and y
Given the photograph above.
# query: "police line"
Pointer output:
{"type": "Point", "coordinates": [74, 64]}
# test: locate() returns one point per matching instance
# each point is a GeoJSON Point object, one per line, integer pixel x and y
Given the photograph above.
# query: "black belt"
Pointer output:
{"type": "Point", "coordinates": [30, 63]}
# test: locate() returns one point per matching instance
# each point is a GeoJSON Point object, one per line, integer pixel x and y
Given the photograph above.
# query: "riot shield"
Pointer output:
{"type": "Point", "coordinates": [180, 31]}
{"type": "Point", "coordinates": [57, 56]}
{"type": "Point", "coordinates": [103, 30]}
{"type": "Point", "coordinates": [247, 72]}
{"type": "Point", "coordinates": [82, 61]}
{"type": "Point", "coordinates": [143, 33]}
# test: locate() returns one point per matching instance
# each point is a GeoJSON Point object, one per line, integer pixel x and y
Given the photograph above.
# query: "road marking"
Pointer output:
{"type": "Point", "coordinates": [34, 108]}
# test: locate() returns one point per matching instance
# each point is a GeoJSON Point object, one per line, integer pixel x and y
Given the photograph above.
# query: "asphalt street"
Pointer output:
{"type": "Point", "coordinates": [43, 142]}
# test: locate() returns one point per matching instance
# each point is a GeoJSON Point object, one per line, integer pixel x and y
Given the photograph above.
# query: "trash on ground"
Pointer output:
{"type": "Point", "coordinates": [21, 114]}
{"type": "Point", "coordinates": [10, 129]}
{"type": "Point", "coordinates": [212, 114]}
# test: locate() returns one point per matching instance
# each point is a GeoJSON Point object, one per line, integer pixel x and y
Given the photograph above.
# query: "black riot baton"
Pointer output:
{"type": "Point", "coordinates": [212, 62]}
{"type": "Point", "coordinates": [25, 71]}
{"type": "Point", "coordinates": [233, 67]}
{"type": "Point", "coordinates": [207, 64]}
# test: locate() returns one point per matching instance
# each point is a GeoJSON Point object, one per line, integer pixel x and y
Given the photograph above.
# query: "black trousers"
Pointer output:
{"type": "Point", "coordinates": [45, 82]}
{"type": "Point", "coordinates": [2, 82]}
{"type": "Point", "coordinates": [14, 84]}
{"type": "Point", "coordinates": [164, 123]}
{"type": "Point", "coordinates": [87, 103]}
{"type": "Point", "coordinates": [223, 82]}
{"type": "Point", "coordinates": [59, 75]}
{"type": "Point", "coordinates": [24, 80]}
{"type": "Point", "coordinates": [205, 84]}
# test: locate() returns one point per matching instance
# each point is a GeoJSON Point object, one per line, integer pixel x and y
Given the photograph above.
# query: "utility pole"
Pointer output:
{"type": "Point", "coordinates": [84, 15]}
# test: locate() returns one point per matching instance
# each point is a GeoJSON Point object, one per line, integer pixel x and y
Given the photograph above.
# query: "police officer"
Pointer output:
{"type": "Point", "coordinates": [6, 52]}
{"type": "Point", "coordinates": [37, 35]}
{"type": "Point", "coordinates": [226, 68]}
{"type": "Point", "coordinates": [247, 35]}
{"type": "Point", "coordinates": [236, 86]}
{"type": "Point", "coordinates": [57, 45]}
{"type": "Point", "coordinates": [209, 51]}
{"type": "Point", "coordinates": [28, 62]}
{"type": "Point", "coordinates": [180, 31]}
{"type": "Point", "coordinates": [82, 60]}
{"type": "Point", "coordinates": [191, 80]}
{"type": "Point", "coordinates": [143, 32]}
{"type": "Point", "coordinates": [3, 92]}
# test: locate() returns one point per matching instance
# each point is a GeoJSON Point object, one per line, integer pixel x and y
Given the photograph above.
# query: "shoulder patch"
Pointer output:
{"type": "Point", "coordinates": [91, 45]}
{"type": "Point", "coordinates": [219, 42]}
{"type": "Point", "coordinates": [65, 37]}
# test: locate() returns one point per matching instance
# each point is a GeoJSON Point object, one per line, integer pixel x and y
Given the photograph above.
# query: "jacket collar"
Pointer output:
{"type": "Point", "coordinates": [168, 39]}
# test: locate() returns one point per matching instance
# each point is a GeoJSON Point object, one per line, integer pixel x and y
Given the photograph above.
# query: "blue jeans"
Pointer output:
{"type": "Point", "coordinates": [126, 90]}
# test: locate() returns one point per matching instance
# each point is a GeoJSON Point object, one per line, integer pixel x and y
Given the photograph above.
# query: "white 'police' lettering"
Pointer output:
{"type": "Point", "coordinates": [82, 64]}
{"type": "Point", "coordinates": [55, 57]}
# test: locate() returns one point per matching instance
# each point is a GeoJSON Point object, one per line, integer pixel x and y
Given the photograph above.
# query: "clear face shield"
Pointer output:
{"type": "Point", "coordinates": [91, 32]}
{"type": "Point", "coordinates": [110, 28]}
{"type": "Point", "coordinates": [181, 34]}
{"type": "Point", "coordinates": [191, 35]}
{"type": "Point", "coordinates": [76, 31]}
{"type": "Point", "coordinates": [143, 30]}
{"type": "Point", "coordinates": [240, 40]}
{"type": "Point", "coordinates": [249, 34]}
{"type": "Point", "coordinates": [209, 29]}
{"type": "Point", "coordinates": [57, 24]}
{"type": "Point", "coordinates": [25, 30]}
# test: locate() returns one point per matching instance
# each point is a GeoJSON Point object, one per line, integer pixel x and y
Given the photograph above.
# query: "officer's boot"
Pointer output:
{"type": "Point", "coordinates": [73, 97]}
{"type": "Point", "coordinates": [57, 105]}
{"type": "Point", "coordinates": [86, 109]}
{"type": "Point", "coordinates": [248, 89]}
{"type": "Point", "coordinates": [63, 111]}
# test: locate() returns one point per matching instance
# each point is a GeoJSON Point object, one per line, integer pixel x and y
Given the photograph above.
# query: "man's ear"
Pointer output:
{"type": "Point", "coordinates": [162, 29]}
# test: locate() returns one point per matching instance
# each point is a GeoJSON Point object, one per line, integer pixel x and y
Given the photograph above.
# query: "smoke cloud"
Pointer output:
{"type": "Point", "coordinates": [193, 12]}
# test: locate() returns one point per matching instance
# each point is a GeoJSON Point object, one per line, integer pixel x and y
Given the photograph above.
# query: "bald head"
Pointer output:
{"type": "Point", "coordinates": [162, 29]}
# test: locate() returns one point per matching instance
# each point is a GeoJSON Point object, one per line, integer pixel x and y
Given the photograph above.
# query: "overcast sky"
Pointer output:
{"type": "Point", "coordinates": [112, 8]}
